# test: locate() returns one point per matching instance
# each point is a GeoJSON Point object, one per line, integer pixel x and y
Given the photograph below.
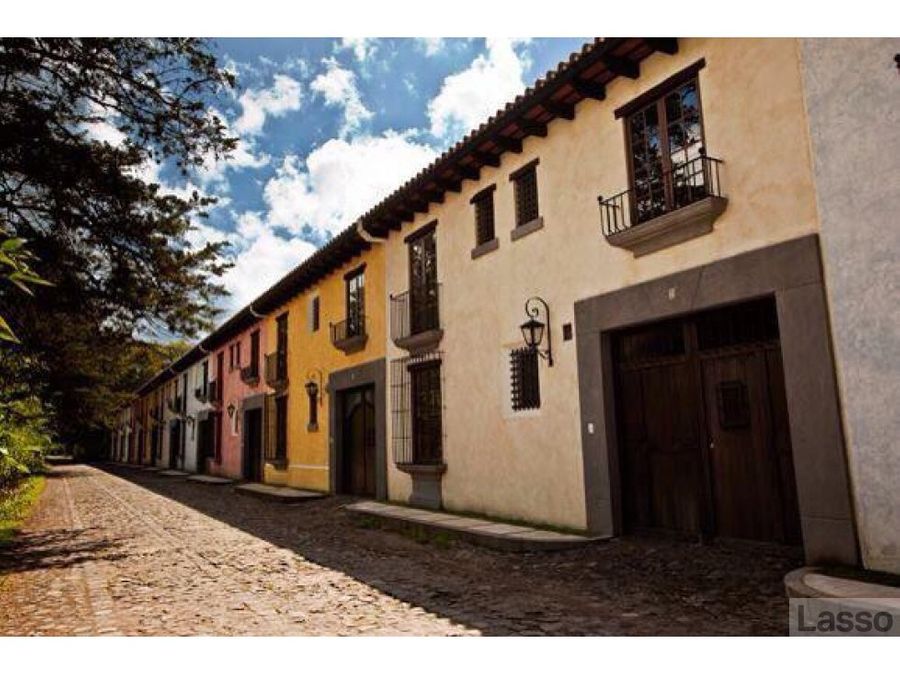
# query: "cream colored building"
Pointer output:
{"type": "Point", "coordinates": [736, 226]}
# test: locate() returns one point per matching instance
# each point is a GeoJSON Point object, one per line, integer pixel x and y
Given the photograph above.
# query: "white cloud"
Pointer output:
{"type": "Point", "coordinates": [341, 180]}
{"type": "Point", "coordinates": [262, 259]}
{"type": "Point", "coordinates": [469, 97]}
{"type": "Point", "coordinates": [431, 45]}
{"type": "Point", "coordinates": [362, 47]}
{"type": "Point", "coordinates": [256, 104]}
{"type": "Point", "coordinates": [337, 86]}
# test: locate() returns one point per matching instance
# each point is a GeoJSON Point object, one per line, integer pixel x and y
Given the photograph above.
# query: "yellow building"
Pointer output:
{"type": "Point", "coordinates": [325, 328]}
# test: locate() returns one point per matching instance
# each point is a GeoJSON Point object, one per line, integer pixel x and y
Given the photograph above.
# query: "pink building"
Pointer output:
{"type": "Point", "coordinates": [239, 392]}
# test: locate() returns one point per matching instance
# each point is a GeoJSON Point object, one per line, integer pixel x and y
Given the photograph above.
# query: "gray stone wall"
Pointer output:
{"type": "Point", "coordinates": [853, 102]}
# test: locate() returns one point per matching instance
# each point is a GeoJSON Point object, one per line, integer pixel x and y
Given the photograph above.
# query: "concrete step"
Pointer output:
{"type": "Point", "coordinates": [278, 493]}
{"type": "Point", "coordinates": [489, 533]}
{"type": "Point", "coordinates": [210, 480]}
{"type": "Point", "coordinates": [173, 473]}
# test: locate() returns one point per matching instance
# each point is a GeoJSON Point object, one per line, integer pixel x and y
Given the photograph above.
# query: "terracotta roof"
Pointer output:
{"type": "Point", "coordinates": [584, 75]}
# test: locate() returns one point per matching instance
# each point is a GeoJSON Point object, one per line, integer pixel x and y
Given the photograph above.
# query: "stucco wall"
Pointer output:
{"type": "Point", "coordinates": [853, 103]}
{"type": "Point", "coordinates": [194, 407]}
{"type": "Point", "coordinates": [529, 465]}
{"type": "Point", "coordinates": [312, 352]}
{"type": "Point", "coordinates": [233, 393]}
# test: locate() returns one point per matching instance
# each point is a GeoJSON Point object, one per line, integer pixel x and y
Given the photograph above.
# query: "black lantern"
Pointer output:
{"type": "Point", "coordinates": [312, 390]}
{"type": "Point", "coordinates": [534, 329]}
{"type": "Point", "coordinates": [231, 409]}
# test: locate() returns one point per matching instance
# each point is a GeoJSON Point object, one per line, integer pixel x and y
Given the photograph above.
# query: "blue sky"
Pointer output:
{"type": "Point", "coordinates": [327, 127]}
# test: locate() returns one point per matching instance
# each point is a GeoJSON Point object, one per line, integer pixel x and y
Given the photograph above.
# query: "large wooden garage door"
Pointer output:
{"type": "Point", "coordinates": [705, 447]}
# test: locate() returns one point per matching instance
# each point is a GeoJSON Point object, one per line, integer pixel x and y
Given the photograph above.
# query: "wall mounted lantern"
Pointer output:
{"type": "Point", "coordinates": [534, 329]}
{"type": "Point", "coordinates": [314, 385]}
{"type": "Point", "coordinates": [231, 409]}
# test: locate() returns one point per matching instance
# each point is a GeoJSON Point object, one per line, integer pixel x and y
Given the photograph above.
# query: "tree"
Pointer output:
{"type": "Point", "coordinates": [112, 242]}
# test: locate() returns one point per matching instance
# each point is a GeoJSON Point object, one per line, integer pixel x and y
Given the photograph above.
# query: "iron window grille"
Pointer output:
{"type": "Point", "coordinates": [417, 409]}
{"type": "Point", "coordinates": [525, 386]}
{"type": "Point", "coordinates": [484, 215]}
{"type": "Point", "coordinates": [526, 195]}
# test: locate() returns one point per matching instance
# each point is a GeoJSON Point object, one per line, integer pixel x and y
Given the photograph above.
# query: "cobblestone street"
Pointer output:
{"type": "Point", "coordinates": [121, 551]}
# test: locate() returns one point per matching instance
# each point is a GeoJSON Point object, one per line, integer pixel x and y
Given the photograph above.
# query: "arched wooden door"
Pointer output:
{"type": "Point", "coordinates": [358, 442]}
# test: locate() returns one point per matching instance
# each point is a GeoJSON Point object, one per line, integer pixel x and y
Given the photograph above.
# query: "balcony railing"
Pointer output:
{"type": "Point", "coordinates": [692, 183]}
{"type": "Point", "coordinates": [276, 370]}
{"type": "Point", "coordinates": [250, 375]}
{"type": "Point", "coordinates": [416, 318]}
{"type": "Point", "coordinates": [215, 392]}
{"type": "Point", "coordinates": [349, 335]}
{"type": "Point", "coordinates": [175, 404]}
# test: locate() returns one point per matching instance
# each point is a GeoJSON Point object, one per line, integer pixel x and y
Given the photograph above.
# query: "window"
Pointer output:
{"type": "Point", "coordinates": [254, 352]}
{"type": "Point", "coordinates": [525, 384]}
{"type": "Point", "coordinates": [525, 184]}
{"type": "Point", "coordinates": [281, 337]}
{"type": "Point", "coordinates": [484, 215]}
{"type": "Point", "coordinates": [425, 383]}
{"type": "Point", "coordinates": [276, 428]}
{"type": "Point", "coordinates": [665, 141]}
{"type": "Point", "coordinates": [423, 286]}
{"type": "Point", "coordinates": [314, 314]}
{"type": "Point", "coordinates": [356, 302]}
{"type": "Point", "coordinates": [237, 355]}
{"type": "Point", "coordinates": [231, 360]}
{"type": "Point", "coordinates": [204, 381]}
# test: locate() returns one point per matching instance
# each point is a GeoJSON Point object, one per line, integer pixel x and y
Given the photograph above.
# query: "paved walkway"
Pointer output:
{"type": "Point", "coordinates": [122, 551]}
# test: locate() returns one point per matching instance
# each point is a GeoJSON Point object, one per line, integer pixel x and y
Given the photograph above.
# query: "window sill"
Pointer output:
{"type": "Point", "coordinates": [312, 427]}
{"type": "Point", "coordinates": [423, 469]}
{"type": "Point", "coordinates": [527, 228]}
{"type": "Point", "coordinates": [670, 228]}
{"type": "Point", "coordinates": [277, 464]}
{"type": "Point", "coordinates": [485, 248]}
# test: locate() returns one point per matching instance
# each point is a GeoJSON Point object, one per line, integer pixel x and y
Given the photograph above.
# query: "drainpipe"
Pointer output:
{"type": "Point", "coordinates": [368, 236]}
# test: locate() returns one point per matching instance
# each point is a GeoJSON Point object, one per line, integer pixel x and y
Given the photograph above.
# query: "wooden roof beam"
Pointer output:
{"type": "Point", "coordinates": [533, 128]}
{"type": "Point", "coordinates": [467, 171]}
{"type": "Point", "coordinates": [624, 67]}
{"type": "Point", "coordinates": [665, 45]}
{"type": "Point", "coordinates": [486, 158]}
{"type": "Point", "coordinates": [508, 144]}
{"type": "Point", "coordinates": [434, 196]}
{"type": "Point", "coordinates": [448, 184]}
{"type": "Point", "coordinates": [587, 89]}
{"type": "Point", "coordinates": [563, 110]}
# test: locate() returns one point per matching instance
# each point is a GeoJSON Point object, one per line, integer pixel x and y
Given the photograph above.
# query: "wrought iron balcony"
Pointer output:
{"type": "Point", "coordinates": [250, 375]}
{"type": "Point", "coordinates": [416, 318]}
{"type": "Point", "coordinates": [276, 370]}
{"type": "Point", "coordinates": [175, 404]}
{"type": "Point", "coordinates": [215, 392]}
{"type": "Point", "coordinates": [350, 334]}
{"type": "Point", "coordinates": [669, 208]}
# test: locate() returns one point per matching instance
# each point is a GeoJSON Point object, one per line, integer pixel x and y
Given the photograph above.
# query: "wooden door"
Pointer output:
{"type": "Point", "coordinates": [358, 439]}
{"type": "Point", "coordinates": [252, 465]}
{"type": "Point", "coordinates": [751, 476]}
{"type": "Point", "coordinates": [174, 444]}
{"type": "Point", "coordinates": [662, 466]}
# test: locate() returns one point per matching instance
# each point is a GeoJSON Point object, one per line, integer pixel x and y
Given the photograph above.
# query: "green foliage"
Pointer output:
{"type": "Point", "coordinates": [14, 268]}
{"type": "Point", "coordinates": [111, 243]}
{"type": "Point", "coordinates": [24, 440]}
{"type": "Point", "coordinates": [16, 502]}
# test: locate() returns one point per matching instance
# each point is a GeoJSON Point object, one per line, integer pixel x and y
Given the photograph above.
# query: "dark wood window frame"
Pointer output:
{"type": "Point", "coordinates": [485, 231]}
{"type": "Point", "coordinates": [526, 196]}
{"type": "Point", "coordinates": [254, 351]}
{"type": "Point", "coordinates": [423, 297]}
{"type": "Point", "coordinates": [281, 345]}
{"type": "Point", "coordinates": [433, 437]}
{"type": "Point", "coordinates": [656, 97]}
{"type": "Point", "coordinates": [315, 310]}
{"type": "Point", "coordinates": [355, 307]}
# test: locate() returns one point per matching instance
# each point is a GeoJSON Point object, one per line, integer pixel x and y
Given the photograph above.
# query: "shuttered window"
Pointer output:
{"type": "Point", "coordinates": [525, 383]}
